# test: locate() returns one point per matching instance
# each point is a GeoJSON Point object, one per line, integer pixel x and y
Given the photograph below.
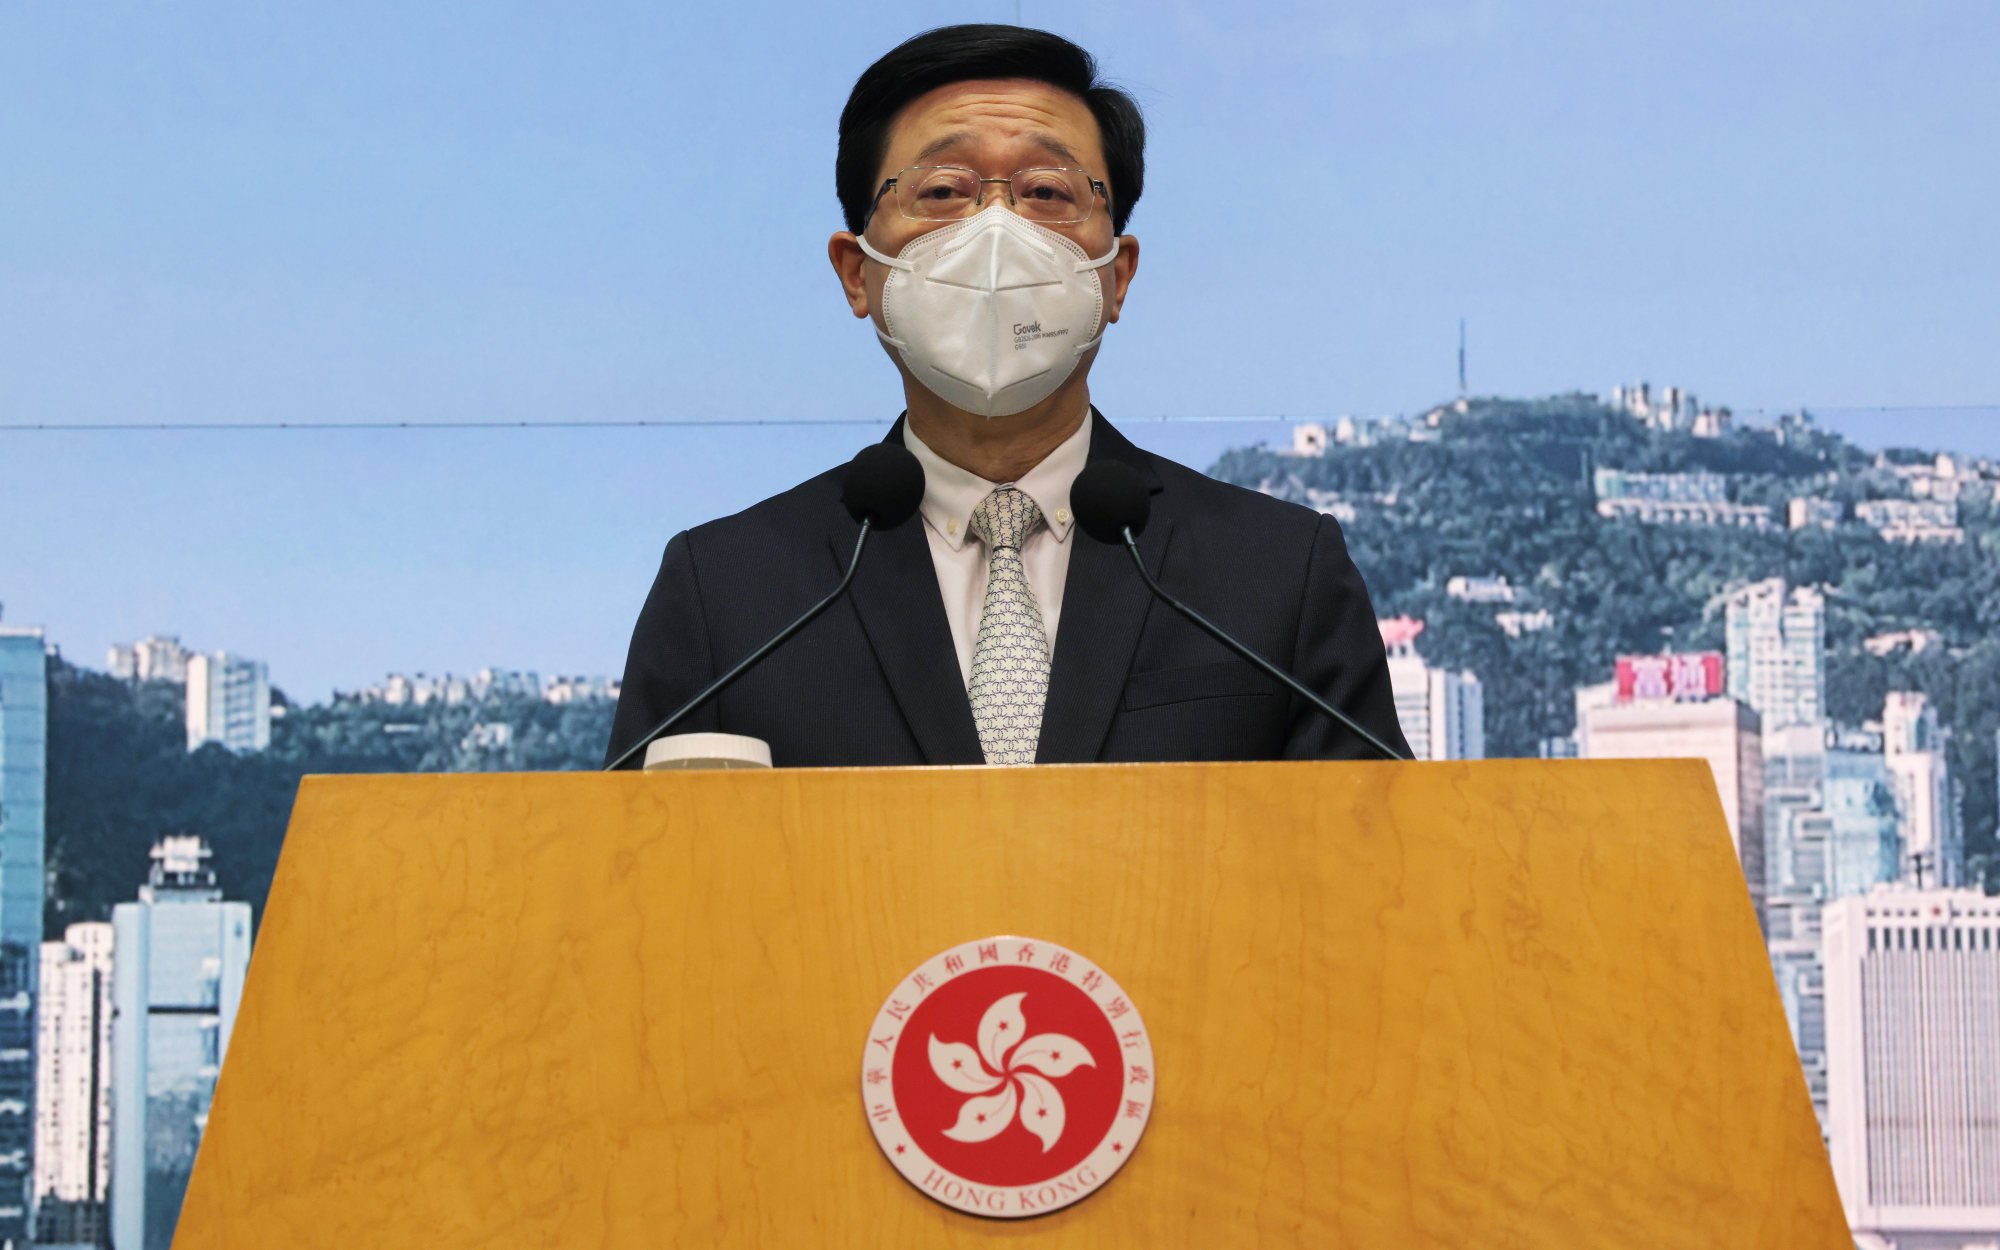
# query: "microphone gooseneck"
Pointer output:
{"type": "Point", "coordinates": [1112, 505]}
{"type": "Point", "coordinates": [883, 488]}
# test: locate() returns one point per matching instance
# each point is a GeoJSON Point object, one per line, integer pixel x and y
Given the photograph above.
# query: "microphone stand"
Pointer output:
{"type": "Point", "coordinates": [1222, 636]}
{"type": "Point", "coordinates": [715, 687]}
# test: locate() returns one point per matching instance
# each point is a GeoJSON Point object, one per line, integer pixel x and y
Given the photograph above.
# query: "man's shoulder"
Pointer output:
{"type": "Point", "coordinates": [1227, 507]}
{"type": "Point", "coordinates": [783, 518]}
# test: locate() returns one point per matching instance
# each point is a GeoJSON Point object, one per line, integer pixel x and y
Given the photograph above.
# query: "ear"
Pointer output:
{"type": "Point", "coordinates": [848, 259]}
{"type": "Point", "coordinates": [1122, 268]}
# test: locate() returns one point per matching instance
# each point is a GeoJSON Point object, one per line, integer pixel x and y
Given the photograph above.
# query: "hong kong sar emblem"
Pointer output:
{"type": "Point", "coordinates": [1008, 1077]}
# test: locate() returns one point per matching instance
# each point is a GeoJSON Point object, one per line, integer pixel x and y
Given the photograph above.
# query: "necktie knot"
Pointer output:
{"type": "Point", "coordinates": [1005, 518]}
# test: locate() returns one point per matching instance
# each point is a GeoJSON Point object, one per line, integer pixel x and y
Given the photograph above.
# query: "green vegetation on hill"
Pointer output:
{"type": "Point", "coordinates": [1505, 489]}
{"type": "Point", "coordinates": [121, 777]}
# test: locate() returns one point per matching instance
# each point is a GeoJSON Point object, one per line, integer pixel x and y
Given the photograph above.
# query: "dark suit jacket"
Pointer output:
{"type": "Point", "coordinates": [876, 681]}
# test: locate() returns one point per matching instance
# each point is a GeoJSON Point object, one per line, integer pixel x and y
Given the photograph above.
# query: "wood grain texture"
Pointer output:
{"type": "Point", "coordinates": [1502, 1004]}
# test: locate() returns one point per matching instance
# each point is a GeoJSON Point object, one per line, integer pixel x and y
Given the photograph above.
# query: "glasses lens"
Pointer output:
{"type": "Point", "coordinates": [1052, 195]}
{"type": "Point", "coordinates": [936, 191]}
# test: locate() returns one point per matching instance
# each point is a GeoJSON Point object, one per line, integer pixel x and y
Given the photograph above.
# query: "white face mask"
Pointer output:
{"type": "Point", "coordinates": [992, 313]}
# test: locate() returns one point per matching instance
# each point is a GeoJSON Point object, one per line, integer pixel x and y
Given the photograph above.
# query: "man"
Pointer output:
{"type": "Point", "coordinates": [986, 177]}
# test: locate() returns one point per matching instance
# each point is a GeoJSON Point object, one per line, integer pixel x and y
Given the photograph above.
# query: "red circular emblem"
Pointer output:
{"type": "Point", "coordinates": [1008, 1077]}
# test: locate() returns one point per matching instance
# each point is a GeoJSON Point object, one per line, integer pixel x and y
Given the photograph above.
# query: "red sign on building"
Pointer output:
{"type": "Point", "coordinates": [1685, 676]}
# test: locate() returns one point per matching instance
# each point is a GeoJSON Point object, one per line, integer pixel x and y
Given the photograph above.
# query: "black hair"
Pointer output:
{"type": "Point", "coordinates": [950, 54]}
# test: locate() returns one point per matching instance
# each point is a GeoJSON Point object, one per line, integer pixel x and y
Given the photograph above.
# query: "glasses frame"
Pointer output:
{"type": "Point", "coordinates": [1096, 185]}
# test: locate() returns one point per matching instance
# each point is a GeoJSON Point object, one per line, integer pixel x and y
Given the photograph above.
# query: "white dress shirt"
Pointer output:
{"type": "Point", "coordinates": [950, 495]}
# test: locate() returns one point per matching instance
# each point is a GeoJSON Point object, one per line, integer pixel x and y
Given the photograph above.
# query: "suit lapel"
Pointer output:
{"type": "Point", "coordinates": [1104, 608]}
{"type": "Point", "coordinates": [896, 595]}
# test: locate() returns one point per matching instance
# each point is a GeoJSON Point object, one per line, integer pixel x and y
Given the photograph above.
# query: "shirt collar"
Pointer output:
{"type": "Point", "coordinates": [951, 493]}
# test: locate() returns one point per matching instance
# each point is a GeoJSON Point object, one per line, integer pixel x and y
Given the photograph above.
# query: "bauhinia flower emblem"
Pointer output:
{"type": "Point", "coordinates": [1008, 1074]}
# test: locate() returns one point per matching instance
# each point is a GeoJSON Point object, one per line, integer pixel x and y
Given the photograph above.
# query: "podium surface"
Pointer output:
{"type": "Point", "coordinates": [1505, 1003]}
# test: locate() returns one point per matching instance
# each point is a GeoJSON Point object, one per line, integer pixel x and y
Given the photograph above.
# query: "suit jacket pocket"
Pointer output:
{"type": "Point", "coordinates": [1228, 679]}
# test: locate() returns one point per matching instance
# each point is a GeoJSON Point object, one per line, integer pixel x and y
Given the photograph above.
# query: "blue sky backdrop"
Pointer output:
{"type": "Point", "coordinates": [237, 213]}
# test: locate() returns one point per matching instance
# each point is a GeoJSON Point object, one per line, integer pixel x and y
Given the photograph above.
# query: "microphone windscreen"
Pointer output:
{"type": "Point", "coordinates": [884, 484]}
{"type": "Point", "coordinates": [1109, 498]}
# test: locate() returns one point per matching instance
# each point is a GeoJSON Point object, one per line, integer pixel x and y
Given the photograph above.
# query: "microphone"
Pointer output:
{"type": "Point", "coordinates": [1112, 505]}
{"type": "Point", "coordinates": [883, 488]}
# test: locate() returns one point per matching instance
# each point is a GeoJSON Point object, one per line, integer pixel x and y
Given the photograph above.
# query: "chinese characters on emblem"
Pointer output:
{"type": "Point", "coordinates": [987, 1078]}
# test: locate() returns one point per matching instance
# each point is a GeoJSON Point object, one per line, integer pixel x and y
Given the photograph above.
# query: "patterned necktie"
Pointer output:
{"type": "Point", "coordinates": [1010, 662]}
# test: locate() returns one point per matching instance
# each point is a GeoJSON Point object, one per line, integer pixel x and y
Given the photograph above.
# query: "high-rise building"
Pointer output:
{"type": "Point", "coordinates": [160, 657]}
{"type": "Point", "coordinates": [1913, 1076]}
{"type": "Point", "coordinates": [1831, 831]}
{"type": "Point", "coordinates": [24, 721]}
{"type": "Point", "coordinates": [1833, 824]}
{"type": "Point", "coordinates": [1933, 844]}
{"type": "Point", "coordinates": [1720, 731]}
{"type": "Point", "coordinates": [228, 701]}
{"type": "Point", "coordinates": [73, 1088]}
{"type": "Point", "coordinates": [181, 956]}
{"type": "Point", "coordinates": [1442, 713]}
{"type": "Point", "coordinates": [1776, 652]}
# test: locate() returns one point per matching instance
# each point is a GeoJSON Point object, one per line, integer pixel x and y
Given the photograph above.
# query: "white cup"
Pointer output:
{"type": "Point", "coordinates": [677, 751]}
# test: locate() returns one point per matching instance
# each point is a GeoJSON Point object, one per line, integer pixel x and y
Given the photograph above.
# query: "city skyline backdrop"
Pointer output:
{"type": "Point", "coordinates": [378, 214]}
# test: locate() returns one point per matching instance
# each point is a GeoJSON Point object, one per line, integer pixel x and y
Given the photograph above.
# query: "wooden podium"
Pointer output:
{"type": "Point", "coordinates": [1501, 1004]}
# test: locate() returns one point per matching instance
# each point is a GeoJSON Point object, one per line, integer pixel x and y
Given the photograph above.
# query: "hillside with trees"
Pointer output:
{"type": "Point", "coordinates": [1501, 488]}
{"type": "Point", "coordinates": [1504, 488]}
{"type": "Point", "coordinates": [120, 775]}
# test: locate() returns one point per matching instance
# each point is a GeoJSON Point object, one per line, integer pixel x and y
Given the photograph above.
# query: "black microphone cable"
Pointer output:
{"type": "Point", "coordinates": [1112, 505]}
{"type": "Point", "coordinates": [883, 488]}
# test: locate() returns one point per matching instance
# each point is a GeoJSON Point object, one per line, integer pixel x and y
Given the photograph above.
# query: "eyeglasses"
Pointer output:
{"type": "Point", "coordinates": [1052, 196]}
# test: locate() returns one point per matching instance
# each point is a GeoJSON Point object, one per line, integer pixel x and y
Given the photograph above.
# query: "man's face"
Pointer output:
{"type": "Point", "coordinates": [994, 126]}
